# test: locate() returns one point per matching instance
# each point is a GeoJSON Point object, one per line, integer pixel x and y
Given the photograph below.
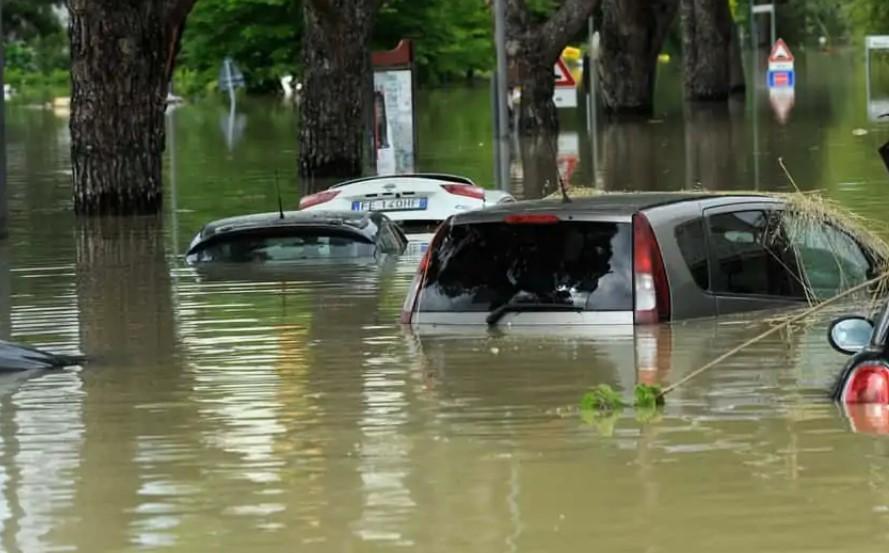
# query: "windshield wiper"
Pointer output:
{"type": "Point", "coordinates": [497, 314]}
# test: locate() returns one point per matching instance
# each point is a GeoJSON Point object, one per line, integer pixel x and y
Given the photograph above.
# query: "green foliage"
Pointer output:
{"type": "Point", "coordinates": [868, 16]}
{"type": "Point", "coordinates": [648, 396]}
{"type": "Point", "coordinates": [602, 398]}
{"type": "Point", "coordinates": [453, 38]}
{"type": "Point", "coordinates": [38, 87]}
{"type": "Point", "coordinates": [262, 36]}
{"type": "Point", "coordinates": [27, 19]}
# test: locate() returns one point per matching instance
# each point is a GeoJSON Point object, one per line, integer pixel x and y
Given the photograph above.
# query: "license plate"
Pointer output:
{"type": "Point", "coordinates": [390, 204]}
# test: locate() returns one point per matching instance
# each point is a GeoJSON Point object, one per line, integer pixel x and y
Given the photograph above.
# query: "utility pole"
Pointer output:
{"type": "Point", "coordinates": [501, 116]}
{"type": "Point", "coordinates": [3, 188]}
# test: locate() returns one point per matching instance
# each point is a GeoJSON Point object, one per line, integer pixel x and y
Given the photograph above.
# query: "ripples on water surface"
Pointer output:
{"type": "Point", "coordinates": [250, 412]}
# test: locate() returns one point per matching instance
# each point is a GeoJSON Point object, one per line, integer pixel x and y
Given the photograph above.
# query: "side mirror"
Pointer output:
{"type": "Point", "coordinates": [850, 335]}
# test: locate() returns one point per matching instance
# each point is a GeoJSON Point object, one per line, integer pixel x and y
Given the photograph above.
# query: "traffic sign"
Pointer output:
{"type": "Point", "coordinates": [230, 77]}
{"type": "Point", "coordinates": [782, 79]}
{"type": "Point", "coordinates": [565, 94]}
{"type": "Point", "coordinates": [781, 59]}
{"type": "Point", "coordinates": [563, 75]}
{"type": "Point", "coordinates": [781, 73]}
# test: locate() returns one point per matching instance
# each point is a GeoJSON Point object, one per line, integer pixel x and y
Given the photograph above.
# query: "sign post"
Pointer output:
{"type": "Point", "coordinates": [758, 9]}
{"type": "Point", "coordinates": [565, 94]}
{"type": "Point", "coordinates": [395, 137]}
{"type": "Point", "coordinates": [781, 79]}
{"type": "Point", "coordinates": [879, 106]}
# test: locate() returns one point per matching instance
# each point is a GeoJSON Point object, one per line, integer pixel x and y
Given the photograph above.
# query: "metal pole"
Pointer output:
{"type": "Point", "coordinates": [3, 187]}
{"type": "Point", "coordinates": [231, 84]}
{"type": "Point", "coordinates": [501, 90]}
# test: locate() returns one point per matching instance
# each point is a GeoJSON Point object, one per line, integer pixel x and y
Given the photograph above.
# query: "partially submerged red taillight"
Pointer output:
{"type": "Point", "coordinates": [867, 383]}
{"type": "Point", "coordinates": [318, 198]}
{"type": "Point", "coordinates": [652, 290]}
{"type": "Point", "coordinates": [467, 190]}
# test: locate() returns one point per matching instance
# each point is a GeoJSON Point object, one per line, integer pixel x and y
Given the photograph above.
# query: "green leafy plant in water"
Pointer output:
{"type": "Point", "coordinates": [602, 398]}
{"type": "Point", "coordinates": [602, 405]}
{"type": "Point", "coordinates": [648, 397]}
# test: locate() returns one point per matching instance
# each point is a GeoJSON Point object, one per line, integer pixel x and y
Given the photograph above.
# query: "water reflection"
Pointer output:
{"type": "Point", "coordinates": [259, 411]}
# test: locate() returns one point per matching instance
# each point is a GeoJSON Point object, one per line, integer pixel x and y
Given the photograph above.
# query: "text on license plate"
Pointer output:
{"type": "Point", "coordinates": [390, 204]}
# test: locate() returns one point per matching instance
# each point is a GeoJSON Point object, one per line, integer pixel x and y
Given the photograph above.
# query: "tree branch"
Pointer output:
{"type": "Point", "coordinates": [563, 25]}
{"type": "Point", "coordinates": [176, 16]}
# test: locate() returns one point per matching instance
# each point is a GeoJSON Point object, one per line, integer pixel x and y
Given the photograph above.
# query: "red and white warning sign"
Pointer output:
{"type": "Point", "coordinates": [781, 59]}
{"type": "Point", "coordinates": [565, 95]}
{"type": "Point", "coordinates": [563, 74]}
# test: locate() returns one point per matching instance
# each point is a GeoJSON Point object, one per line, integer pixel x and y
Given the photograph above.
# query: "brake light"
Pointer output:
{"type": "Point", "coordinates": [868, 383]}
{"type": "Point", "coordinates": [649, 275]}
{"type": "Point", "coordinates": [467, 190]}
{"type": "Point", "coordinates": [318, 198]}
{"type": "Point", "coordinates": [413, 295]}
{"type": "Point", "coordinates": [531, 219]}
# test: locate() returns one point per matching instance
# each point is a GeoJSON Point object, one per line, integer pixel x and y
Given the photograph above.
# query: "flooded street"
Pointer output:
{"type": "Point", "coordinates": [248, 412]}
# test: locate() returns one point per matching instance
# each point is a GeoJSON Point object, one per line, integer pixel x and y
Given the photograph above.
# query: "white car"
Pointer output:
{"type": "Point", "coordinates": [416, 202]}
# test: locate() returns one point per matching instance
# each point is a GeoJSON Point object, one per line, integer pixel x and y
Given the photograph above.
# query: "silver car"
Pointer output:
{"type": "Point", "coordinates": [625, 259]}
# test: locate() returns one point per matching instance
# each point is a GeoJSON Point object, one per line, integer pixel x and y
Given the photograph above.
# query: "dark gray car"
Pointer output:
{"type": "Point", "coordinates": [296, 236]}
{"type": "Point", "coordinates": [623, 259]}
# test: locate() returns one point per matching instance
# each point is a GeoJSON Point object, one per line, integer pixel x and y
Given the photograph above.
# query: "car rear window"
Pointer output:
{"type": "Point", "coordinates": [480, 267]}
{"type": "Point", "coordinates": [246, 248]}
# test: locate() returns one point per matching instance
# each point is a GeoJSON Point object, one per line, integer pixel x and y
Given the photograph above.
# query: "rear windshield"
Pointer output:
{"type": "Point", "coordinates": [245, 248]}
{"type": "Point", "coordinates": [483, 266]}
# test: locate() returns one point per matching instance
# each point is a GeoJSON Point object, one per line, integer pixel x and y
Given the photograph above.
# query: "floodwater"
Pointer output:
{"type": "Point", "coordinates": [257, 412]}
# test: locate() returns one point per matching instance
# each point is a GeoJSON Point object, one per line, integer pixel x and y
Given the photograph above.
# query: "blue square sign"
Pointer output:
{"type": "Point", "coordinates": [782, 79]}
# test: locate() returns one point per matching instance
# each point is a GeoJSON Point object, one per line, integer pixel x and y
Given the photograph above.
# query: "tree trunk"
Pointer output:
{"type": "Point", "coordinates": [737, 81]}
{"type": "Point", "coordinates": [533, 50]}
{"type": "Point", "coordinates": [540, 167]}
{"type": "Point", "coordinates": [122, 56]}
{"type": "Point", "coordinates": [632, 34]}
{"type": "Point", "coordinates": [338, 88]}
{"type": "Point", "coordinates": [706, 45]}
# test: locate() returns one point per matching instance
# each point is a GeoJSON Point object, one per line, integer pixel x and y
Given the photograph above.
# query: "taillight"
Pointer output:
{"type": "Point", "coordinates": [649, 275]}
{"type": "Point", "coordinates": [318, 198]}
{"type": "Point", "coordinates": [467, 190]}
{"type": "Point", "coordinates": [868, 383]}
{"type": "Point", "coordinates": [413, 295]}
{"type": "Point", "coordinates": [531, 219]}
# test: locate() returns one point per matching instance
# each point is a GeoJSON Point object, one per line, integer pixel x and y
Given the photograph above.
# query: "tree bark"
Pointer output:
{"type": "Point", "coordinates": [706, 46]}
{"type": "Point", "coordinates": [338, 88]}
{"type": "Point", "coordinates": [631, 37]}
{"type": "Point", "coordinates": [533, 50]}
{"type": "Point", "coordinates": [122, 56]}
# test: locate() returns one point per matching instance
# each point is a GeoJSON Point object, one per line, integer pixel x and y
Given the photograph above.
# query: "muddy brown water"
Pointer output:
{"type": "Point", "coordinates": [250, 412]}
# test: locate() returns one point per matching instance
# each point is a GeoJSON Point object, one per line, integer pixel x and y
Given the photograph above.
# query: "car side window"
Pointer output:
{"type": "Point", "coordinates": [751, 255]}
{"type": "Point", "coordinates": [832, 261]}
{"type": "Point", "coordinates": [389, 240]}
{"type": "Point", "coordinates": [693, 246]}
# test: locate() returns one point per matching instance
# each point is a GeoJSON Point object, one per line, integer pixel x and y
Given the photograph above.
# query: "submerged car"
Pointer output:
{"type": "Point", "coordinates": [865, 379]}
{"type": "Point", "coordinates": [417, 202]}
{"type": "Point", "coordinates": [296, 236]}
{"type": "Point", "coordinates": [631, 258]}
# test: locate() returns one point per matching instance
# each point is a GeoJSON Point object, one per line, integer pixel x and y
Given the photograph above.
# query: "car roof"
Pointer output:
{"type": "Point", "coordinates": [427, 176]}
{"type": "Point", "coordinates": [358, 221]}
{"type": "Point", "coordinates": [610, 204]}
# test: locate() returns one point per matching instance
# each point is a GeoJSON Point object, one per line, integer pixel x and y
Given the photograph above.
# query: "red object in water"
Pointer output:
{"type": "Point", "coordinates": [868, 383]}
